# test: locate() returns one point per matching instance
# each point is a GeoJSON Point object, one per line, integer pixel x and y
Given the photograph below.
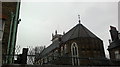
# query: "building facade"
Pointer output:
{"type": "Point", "coordinates": [78, 46]}
{"type": "Point", "coordinates": [10, 13]}
{"type": "Point", "coordinates": [114, 47]}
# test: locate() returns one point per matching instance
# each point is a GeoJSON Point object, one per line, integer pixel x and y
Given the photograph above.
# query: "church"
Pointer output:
{"type": "Point", "coordinates": [78, 46]}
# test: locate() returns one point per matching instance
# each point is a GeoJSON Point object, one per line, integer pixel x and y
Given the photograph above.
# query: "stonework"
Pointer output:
{"type": "Point", "coordinates": [76, 47]}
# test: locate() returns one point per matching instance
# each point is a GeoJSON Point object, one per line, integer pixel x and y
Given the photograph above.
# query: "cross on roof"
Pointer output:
{"type": "Point", "coordinates": [79, 19]}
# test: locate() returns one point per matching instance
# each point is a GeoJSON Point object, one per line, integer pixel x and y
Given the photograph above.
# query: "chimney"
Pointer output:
{"type": "Point", "coordinates": [114, 33]}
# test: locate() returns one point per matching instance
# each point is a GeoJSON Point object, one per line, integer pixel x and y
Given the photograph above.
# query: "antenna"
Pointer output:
{"type": "Point", "coordinates": [79, 19]}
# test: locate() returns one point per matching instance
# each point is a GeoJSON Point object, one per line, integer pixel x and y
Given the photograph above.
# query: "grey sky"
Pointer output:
{"type": "Point", "coordinates": [41, 19]}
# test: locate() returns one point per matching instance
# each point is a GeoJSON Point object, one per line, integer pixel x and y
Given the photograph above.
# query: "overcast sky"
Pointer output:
{"type": "Point", "coordinates": [40, 19]}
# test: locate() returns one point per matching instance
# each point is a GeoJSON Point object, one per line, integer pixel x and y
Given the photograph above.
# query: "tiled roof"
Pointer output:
{"type": "Point", "coordinates": [49, 48]}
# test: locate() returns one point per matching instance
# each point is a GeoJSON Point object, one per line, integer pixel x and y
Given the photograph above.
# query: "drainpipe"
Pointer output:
{"type": "Point", "coordinates": [9, 40]}
{"type": "Point", "coordinates": [12, 38]}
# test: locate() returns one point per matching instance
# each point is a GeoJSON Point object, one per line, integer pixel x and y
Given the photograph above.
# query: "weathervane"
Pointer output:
{"type": "Point", "coordinates": [79, 18]}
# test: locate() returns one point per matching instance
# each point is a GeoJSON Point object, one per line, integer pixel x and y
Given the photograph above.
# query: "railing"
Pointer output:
{"type": "Point", "coordinates": [89, 61]}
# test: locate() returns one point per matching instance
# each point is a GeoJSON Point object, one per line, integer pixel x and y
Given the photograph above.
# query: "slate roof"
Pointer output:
{"type": "Point", "coordinates": [78, 31]}
{"type": "Point", "coordinates": [114, 44]}
{"type": "Point", "coordinates": [49, 48]}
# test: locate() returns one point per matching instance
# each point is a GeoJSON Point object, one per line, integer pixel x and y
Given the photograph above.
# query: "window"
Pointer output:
{"type": "Point", "coordinates": [61, 51]}
{"type": "Point", "coordinates": [45, 60]}
{"type": "Point", "coordinates": [50, 58]}
{"type": "Point", "coordinates": [55, 54]}
{"type": "Point", "coordinates": [74, 52]}
{"type": "Point", "coordinates": [65, 48]}
{"type": "Point", "coordinates": [117, 55]}
{"type": "Point", "coordinates": [41, 61]}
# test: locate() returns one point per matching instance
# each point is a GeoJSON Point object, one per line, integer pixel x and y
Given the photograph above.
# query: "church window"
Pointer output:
{"type": "Point", "coordinates": [61, 50]}
{"type": "Point", "coordinates": [50, 58]}
{"type": "Point", "coordinates": [41, 61]}
{"type": "Point", "coordinates": [74, 52]}
{"type": "Point", "coordinates": [45, 60]}
{"type": "Point", "coordinates": [55, 54]}
{"type": "Point", "coordinates": [117, 55]}
{"type": "Point", "coordinates": [65, 48]}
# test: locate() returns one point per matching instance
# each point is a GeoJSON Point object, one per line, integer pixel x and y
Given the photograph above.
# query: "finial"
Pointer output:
{"type": "Point", "coordinates": [63, 32]}
{"type": "Point", "coordinates": [79, 18]}
{"type": "Point", "coordinates": [56, 32]}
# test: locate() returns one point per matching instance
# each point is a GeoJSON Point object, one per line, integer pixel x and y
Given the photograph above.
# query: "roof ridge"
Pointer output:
{"type": "Point", "coordinates": [78, 31]}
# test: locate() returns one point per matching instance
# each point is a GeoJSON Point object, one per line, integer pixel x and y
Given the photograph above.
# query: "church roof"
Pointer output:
{"type": "Point", "coordinates": [78, 31]}
{"type": "Point", "coordinates": [49, 48]}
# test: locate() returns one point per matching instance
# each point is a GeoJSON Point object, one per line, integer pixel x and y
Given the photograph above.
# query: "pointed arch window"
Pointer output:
{"type": "Point", "coordinates": [74, 52]}
{"type": "Point", "coordinates": [61, 50]}
{"type": "Point", "coordinates": [65, 48]}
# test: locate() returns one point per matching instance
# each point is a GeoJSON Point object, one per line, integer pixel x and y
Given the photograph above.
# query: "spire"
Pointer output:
{"type": "Point", "coordinates": [79, 19]}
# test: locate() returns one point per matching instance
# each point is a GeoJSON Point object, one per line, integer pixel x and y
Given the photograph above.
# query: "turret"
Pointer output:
{"type": "Point", "coordinates": [56, 36]}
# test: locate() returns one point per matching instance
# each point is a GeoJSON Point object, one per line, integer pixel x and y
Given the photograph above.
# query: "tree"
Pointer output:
{"type": "Point", "coordinates": [33, 53]}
